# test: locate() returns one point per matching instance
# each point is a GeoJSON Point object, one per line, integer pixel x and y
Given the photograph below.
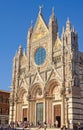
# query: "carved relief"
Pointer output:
{"type": "Point", "coordinates": [57, 44]}
{"type": "Point", "coordinates": [39, 93]}
{"type": "Point", "coordinates": [56, 92]}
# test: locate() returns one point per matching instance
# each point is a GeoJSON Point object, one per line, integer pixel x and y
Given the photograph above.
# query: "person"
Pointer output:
{"type": "Point", "coordinates": [45, 125]}
{"type": "Point", "coordinates": [56, 124]}
{"type": "Point", "coordinates": [39, 124]}
{"type": "Point", "coordinates": [78, 125]}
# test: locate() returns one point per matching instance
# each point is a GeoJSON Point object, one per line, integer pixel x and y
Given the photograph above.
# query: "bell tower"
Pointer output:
{"type": "Point", "coordinates": [70, 52]}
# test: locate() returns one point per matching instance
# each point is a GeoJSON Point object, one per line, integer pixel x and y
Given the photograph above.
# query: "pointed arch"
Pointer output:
{"type": "Point", "coordinates": [50, 87]}
{"type": "Point", "coordinates": [21, 93]}
{"type": "Point", "coordinates": [36, 88]}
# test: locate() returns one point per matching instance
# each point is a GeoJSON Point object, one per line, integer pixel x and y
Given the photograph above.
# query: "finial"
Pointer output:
{"type": "Point", "coordinates": [52, 10]}
{"type": "Point", "coordinates": [73, 29]}
{"type": "Point", "coordinates": [53, 16]}
{"type": "Point", "coordinates": [31, 23]}
{"type": "Point", "coordinates": [68, 25]}
{"type": "Point", "coordinates": [68, 21]}
{"type": "Point", "coordinates": [20, 46]}
{"type": "Point", "coordinates": [40, 9]}
{"type": "Point", "coordinates": [20, 49]}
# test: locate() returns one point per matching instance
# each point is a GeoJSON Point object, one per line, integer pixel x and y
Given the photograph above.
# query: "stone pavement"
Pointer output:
{"type": "Point", "coordinates": [36, 128]}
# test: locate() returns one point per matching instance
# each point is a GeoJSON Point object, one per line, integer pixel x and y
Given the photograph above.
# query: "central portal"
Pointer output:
{"type": "Point", "coordinates": [39, 112]}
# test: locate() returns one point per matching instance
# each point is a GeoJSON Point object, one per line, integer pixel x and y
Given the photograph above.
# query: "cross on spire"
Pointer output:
{"type": "Point", "coordinates": [40, 9]}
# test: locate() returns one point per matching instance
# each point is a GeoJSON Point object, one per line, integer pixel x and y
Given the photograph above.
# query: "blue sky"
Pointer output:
{"type": "Point", "coordinates": [15, 20]}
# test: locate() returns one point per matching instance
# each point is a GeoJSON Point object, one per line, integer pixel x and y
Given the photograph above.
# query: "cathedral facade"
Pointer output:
{"type": "Point", "coordinates": [47, 79]}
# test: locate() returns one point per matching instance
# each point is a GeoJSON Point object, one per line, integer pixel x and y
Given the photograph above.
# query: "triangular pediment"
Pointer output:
{"type": "Point", "coordinates": [37, 79]}
{"type": "Point", "coordinates": [57, 44]}
{"type": "Point", "coordinates": [40, 30]}
{"type": "Point", "coordinates": [23, 82]}
{"type": "Point", "coordinates": [54, 75]}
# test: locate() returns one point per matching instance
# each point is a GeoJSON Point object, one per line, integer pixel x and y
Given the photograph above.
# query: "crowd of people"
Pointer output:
{"type": "Point", "coordinates": [39, 125]}
{"type": "Point", "coordinates": [27, 124]}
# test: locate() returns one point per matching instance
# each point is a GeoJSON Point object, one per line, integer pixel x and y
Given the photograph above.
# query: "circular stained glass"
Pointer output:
{"type": "Point", "coordinates": [40, 56]}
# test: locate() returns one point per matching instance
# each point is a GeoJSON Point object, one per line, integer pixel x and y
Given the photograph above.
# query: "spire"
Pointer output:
{"type": "Point", "coordinates": [30, 32]}
{"type": "Point", "coordinates": [53, 15]}
{"type": "Point", "coordinates": [68, 25]}
{"type": "Point", "coordinates": [53, 25]}
{"type": "Point", "coordinates": [31, 28]}
{"type": "Point", "coordinates": [73, 29]}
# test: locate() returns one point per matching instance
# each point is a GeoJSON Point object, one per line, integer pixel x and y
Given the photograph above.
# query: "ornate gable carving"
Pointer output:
{"type": "Point", "coordinates": [37, 79]}
{"type": "Point", "coordinates": [23, 82]}
{"type": "Point", "coordinates": [57, 44]}
{"type": "Point", "coordinates": [54, 75]}
{"type": "Point", "coordinates": [40, 29]}
{"type": "Point", "coordinates": [42, 76]}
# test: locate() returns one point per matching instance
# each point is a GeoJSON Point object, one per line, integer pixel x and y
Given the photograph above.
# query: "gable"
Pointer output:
{"type": "Point", "coordinates": [40, 29]}
{"type": "Point", "coordinates": [37, 79]}
{"type": "Point", "coordinates": [54, 74]}
{"type": "Point", "coordinates": [57, 44]}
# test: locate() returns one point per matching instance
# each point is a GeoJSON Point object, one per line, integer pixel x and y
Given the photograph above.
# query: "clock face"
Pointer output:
{"type": "Point", "coordinates": [40, 56]}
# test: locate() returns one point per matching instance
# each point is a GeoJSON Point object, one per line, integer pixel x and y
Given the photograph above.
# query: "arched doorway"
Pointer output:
{"type": "Point", "coordinates": [36, 103]}
{"type": "Point", "coordinates": [53, 96]}
{"type": "Point", "coordinates": [22, 105]}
